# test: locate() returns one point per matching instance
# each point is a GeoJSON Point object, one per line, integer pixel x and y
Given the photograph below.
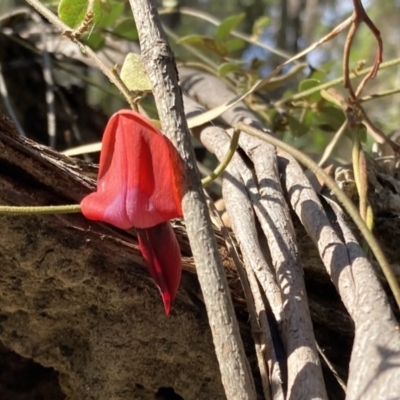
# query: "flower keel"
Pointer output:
{"type": "Point", "coordinates": [160, 249]}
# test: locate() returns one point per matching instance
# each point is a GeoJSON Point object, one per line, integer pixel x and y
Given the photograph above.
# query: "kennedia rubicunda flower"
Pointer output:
{"type": "Point", "coordinates": [139, 186]}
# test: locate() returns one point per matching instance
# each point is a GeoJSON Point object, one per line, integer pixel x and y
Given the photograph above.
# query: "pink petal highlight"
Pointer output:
{"type": "Point", "coordinates": [138, 175]}
{"type": "Point", "coordinates": [129, 208]}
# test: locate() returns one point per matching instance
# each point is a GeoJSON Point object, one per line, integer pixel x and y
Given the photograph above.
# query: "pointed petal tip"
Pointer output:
{"type": "Point", "coordinates": [167, 307]}
{"type": "Point", "coordinates": [160, 250]}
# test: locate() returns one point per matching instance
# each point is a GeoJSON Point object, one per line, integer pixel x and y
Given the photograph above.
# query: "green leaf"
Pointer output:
{"type": "Point", "coordinates": [318, 140]}
{"type": "Point", "coordinates": [307, 118]}
{"type": "Point", "coordinates": [95, 40]}
{"type": "Point", "coordinates": [307, 84]}
{"type": "Point", "coordinates": [235, 45]}
{"type": "Point", "coordinates": [227, 25]}
{"type": "Point", "coordinates": [215, 46]}
{"type": "Point", "coordinates": [72, 12]}
{"type": "Point", "coordinates": [323, 70]}
{"type": "Point", "coordinates": [205, 43]}
{"type": "Point", "coordinates": [105, 5]}
{"type": "Point", "coordinates": [134, 75]}
{"type": "Point", "coordinates": [329, 118]}
{"type": "Point", "coordinates": [287, 94]}
{"type": "Point", "coordinates": [126, 29]}
{"type": "Point", "coordinates": [260, 24]}
{"type": "Point", "coordinates": [297, 128]}
{"type": "Point", "coordinates": [108, 18]}
{"type": "Point", "coordinates": [228, 67]}
{"type": "Point", "coordinates": [191, 40]}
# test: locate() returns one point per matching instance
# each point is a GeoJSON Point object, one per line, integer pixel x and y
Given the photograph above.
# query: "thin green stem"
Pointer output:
{"type": "Point", "coordinates": [216, 22]}
{"type": "Point", "coordinates": [75, 208]}
{"type": "Point", "coordinates": [17, 210]}
{"type": "Point", "coordinates": [340, 195]}
{"type": "Point", "coordinates": [335, 82]}
{"type": "Point", "coordinates": [375, 96]}
{"type": "Point", "coordinates": [224, 163]}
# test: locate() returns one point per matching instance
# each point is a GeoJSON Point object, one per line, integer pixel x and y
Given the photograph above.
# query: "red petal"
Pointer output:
{"type": "Point", "coordinates": [160, 249]}
{"type": "Point", "coordinates": [138, 183]}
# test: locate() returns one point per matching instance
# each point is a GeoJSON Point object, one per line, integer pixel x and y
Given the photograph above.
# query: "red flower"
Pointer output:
{"type": "Point", "coordinates": [138, 186]}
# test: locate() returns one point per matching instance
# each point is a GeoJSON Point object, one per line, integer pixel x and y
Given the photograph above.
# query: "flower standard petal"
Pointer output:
{"type": "Point", "coordinates": [138, 182]}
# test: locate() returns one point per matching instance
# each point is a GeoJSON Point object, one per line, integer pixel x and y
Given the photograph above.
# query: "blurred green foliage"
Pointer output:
{"type": "Point", "coordinates": [308, 121]}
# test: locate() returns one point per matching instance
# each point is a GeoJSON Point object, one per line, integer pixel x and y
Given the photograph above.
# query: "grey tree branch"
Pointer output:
{"type": "Point", "coordinates": [159, 64]}
{"type": "Point", "coordinates": [377, 332]}
{"type": "Point", "coordinates": [263, 343]}
{"type": "Point", "coordinates": [272, 212]}
{"type": "Point", "coordinates": [242, 219]}
{"type": "Point", "coordinates": [258, 271]}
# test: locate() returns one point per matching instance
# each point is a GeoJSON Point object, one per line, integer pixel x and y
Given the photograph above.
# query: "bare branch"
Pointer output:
{"type": "Point", "coordinates": [159, 64]}
{"type": "Point", "coordinates": [242, 219]}
{"type": "Point", "coordinates": [360, 290]}
{"type": "Point", "coordinates": [271, 210]}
